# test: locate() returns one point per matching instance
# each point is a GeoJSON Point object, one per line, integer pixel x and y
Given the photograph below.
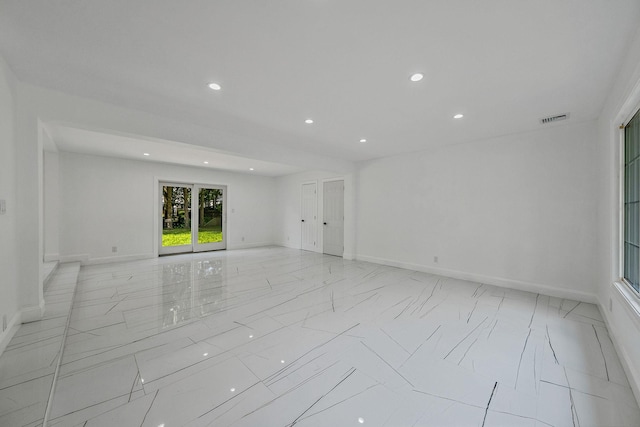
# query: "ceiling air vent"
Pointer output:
{"type": "Point", "coordinates": [556, 118]}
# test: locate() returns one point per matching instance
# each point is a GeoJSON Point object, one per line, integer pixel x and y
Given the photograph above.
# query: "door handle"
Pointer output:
{"type": "Point", "coordinates": [324, 223]}
{"type": "Point", "coordinates": [303, 220]}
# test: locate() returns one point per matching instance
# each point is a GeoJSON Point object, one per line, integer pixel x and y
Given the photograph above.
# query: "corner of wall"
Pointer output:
{"type": "Point", "coordinates": [12, 328]}
{"type": "Point", "coordinates": [32, 313]}
{"type": "Point", "coordinates": [51, 257]}
{"type": "Point", "coordinates": [9, 256]}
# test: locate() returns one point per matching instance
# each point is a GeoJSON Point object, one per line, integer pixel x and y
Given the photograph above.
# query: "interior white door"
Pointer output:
{"type": "Point", "coordinates": [333, 218]}
{"type": "Point", "coordinates": [309, 213]}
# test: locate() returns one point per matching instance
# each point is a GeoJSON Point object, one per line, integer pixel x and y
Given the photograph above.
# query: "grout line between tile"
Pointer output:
{"type": "Point", "coordinates": [47, 412]}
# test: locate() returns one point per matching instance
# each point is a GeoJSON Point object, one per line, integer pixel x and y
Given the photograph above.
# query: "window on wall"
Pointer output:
{"type": "Point", "coordinates": [632, 202]}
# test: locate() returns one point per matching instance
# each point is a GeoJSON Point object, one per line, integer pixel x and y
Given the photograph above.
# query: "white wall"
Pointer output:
{"type": "Point", "coordinates": [9, 273]}
{"type": "Point", "coordinates": [621, 309]}
{"type": "Point", "coordinates": [51, 206]}
{"type": "Point", "coordinates": [34, 105]}
{"type": "Point", "coordinates": [29, 205]}
{"type": "Point", "coordinates": [107, 202]}
{"type": "Point", "coordinates": [288, 228]}
{"type": "Point", "coordinates": [516, 211]}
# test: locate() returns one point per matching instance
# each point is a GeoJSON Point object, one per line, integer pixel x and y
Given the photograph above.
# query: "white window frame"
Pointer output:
{"type": "Point", "coordinates": [621, 186]}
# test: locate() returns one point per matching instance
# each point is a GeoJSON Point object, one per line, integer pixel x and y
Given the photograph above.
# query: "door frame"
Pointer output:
{"type": "Point", "coordinates": [194, 247]}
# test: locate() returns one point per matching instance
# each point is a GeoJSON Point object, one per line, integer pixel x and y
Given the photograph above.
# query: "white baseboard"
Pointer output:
{"type": "Point", "coordinates": [287, 245]}
{"type": "Point", "coordinates": [33, 313]}
{"type": "Point", "coordinates": [118, 258]}
{"type": "Point", "coordinates": [347, 255]}
{"type": "Point", "coordinates": [51, 257]}
{"type": "Point", "coordinates": [489, 280]}
{"type": "Point", "coordinates": [12, 328]}
{"type": "Point", "coordinates": [74, 258]}
{"type": "Point", "coordinates": [249, 245]}
{"type": "Point", "coordinates": [47, 279]}
{"type": "Point", "coordinates": [84, 259]}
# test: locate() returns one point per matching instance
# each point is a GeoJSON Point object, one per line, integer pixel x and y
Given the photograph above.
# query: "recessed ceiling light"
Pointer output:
{"type": "Point", "coordinates": [145, 154]}
{"type": "Point", "coordinates": [458, 116]}
{"type": "Point", "coordinates": [214, 86]}
{"type": "Point", "coordinates": [205, 354]}
{"type": "Point", "coordinates": [205, 162]}
{"type": "Point", "coordinates": [416, 77]}
{"type": "Point", "coordinates": [233, 390]}
{"type": "Point", "coordinates": [308, 121]}
{"type": "Point", "coordinates": [250, 169]}
{"type": "Point", "coordinates": [363, 140]}
{"type": "Point", "coordinates": [361, 420]}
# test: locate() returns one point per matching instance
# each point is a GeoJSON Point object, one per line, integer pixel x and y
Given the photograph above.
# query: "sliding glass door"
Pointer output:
{"type": "Point", "coordinates": [209, 222]}
{"type": "Point", "coordinates": [176, 235]}
{"type": "Point", "coordinates": [192, 218]}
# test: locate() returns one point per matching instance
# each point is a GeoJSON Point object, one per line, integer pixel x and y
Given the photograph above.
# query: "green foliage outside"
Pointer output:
{"type": "Point", "coordinates": [181, 236]}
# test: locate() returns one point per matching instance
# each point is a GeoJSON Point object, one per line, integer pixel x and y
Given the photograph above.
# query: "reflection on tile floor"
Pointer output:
{"type": "Point", "coordinates": [280, 337]}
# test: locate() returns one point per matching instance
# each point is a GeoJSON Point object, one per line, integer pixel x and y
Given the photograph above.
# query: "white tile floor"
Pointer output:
{"type": "Point", "coordinates": [280, 337]}
{"type": "Point", "coordinates": [28, 364]}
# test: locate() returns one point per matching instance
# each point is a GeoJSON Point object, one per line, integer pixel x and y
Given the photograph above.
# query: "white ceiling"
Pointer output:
{"type": "Point", "coordinates": [103, 144]}
{"type": "Point", "coordinates": [504, 64]}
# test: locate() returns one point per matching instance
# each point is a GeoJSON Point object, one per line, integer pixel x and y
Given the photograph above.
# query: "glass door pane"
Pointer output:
{"type": "Point", "coordinates": [632, 202]}
{"type": "Point", "coordinates": [210, 217]}
{"type": "Point", "coordinates": [176, 218]}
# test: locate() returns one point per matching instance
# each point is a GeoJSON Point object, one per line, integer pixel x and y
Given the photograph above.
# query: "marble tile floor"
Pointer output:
{"type": "Point", "coordinates": [29, 362]}
{"type": "Point", "coordinates": [281, 337]}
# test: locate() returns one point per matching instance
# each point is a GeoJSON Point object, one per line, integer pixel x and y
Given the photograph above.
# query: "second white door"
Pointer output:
{"type": "Point", "coordinates": [309, 212]}
{"type": "Point", "coordinates": [333, 218]}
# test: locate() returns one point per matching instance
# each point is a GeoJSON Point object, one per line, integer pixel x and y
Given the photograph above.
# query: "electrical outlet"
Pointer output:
{"type": "Point", "coordinates": [3, 207]}
{"type": "Point", "coordinates": [114, 249]}
{"type": "Point", "coordinates": [288, 238]}
{"type": "Point", "coordinates": [4, 323]}
{"type": "Point", "coordinates": [243, 238]}
{"type": "Point", "coordinates": [435, 259]}
{"type": "Point", "coordinates": [610, 304]}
